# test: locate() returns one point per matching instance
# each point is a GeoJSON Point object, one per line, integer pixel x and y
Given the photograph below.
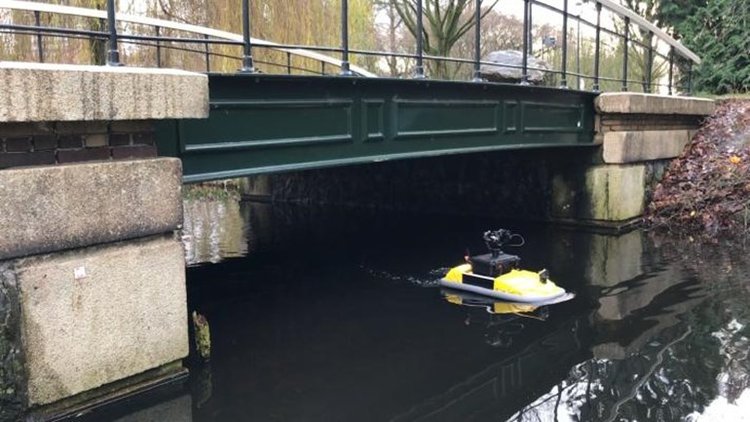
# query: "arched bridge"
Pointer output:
{"type": "Point", "coordinates": [284, 119]}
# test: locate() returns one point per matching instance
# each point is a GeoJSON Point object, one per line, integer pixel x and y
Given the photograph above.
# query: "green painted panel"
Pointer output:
{"type": "Point", "coordinates": [373, 125]}
{"type": "Point", "coordinates": [236, 125]}
{"type": "Point", "coordinates": [545, 117]}
{"type": "Point", "coordinates": [512, 116]}
{"type": "Point", "coordinates": [271, 123]}
{"type": "Point", "coordinates": [421, 119]}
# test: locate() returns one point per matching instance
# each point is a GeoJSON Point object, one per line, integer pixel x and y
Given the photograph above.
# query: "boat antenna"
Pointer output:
{"type": "Point", "coordinates": [497, 239]}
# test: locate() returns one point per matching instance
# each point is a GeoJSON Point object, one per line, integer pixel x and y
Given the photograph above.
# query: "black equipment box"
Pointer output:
{"type": "Point", "coordinates": [493, 265]}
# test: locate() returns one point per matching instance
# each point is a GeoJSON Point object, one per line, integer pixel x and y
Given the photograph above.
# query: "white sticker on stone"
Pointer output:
{"type": "Point", "coordinates": [79, 273]}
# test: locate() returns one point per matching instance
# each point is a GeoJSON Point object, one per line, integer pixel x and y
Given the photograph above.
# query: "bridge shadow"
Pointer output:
{"type": "Point", "coordinates": [349, 321]}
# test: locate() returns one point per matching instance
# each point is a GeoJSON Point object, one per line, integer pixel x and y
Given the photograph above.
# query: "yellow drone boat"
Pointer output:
{"type": "Point", "coordinates": [497, 275]}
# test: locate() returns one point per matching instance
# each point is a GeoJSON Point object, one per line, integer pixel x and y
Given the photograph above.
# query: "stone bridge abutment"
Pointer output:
{"type": "Point", "coordinates": [637, 135]}
{"type": "Point", "coordinates": [92, 274]}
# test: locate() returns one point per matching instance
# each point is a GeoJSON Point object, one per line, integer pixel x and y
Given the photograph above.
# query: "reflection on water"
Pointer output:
{"type": "Point", "coordinates": [503, 320]}
{"type": "Point", "coordinates": [214, 229]}
{"type": "Point", "coordinates": [697, 363]}
{"type": "Point", "coordinates": [335, 316]}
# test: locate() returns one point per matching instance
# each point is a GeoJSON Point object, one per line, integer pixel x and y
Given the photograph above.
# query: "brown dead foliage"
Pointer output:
{"type": "Point", "coordinates": [707, 190]}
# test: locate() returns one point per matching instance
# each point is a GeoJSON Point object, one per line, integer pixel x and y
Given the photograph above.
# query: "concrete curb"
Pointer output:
{"type": "Point", "coordinates": [634, 103]}
{"type": "Point", "coordinates": [38, 92]}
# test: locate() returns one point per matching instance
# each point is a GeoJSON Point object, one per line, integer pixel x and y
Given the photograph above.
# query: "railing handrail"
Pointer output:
{"type": "Point", "coordinates": [207, 36]}
{"type": "Point", "coordinates": [643, 23]}
{"type": "Point", "coordinates": [154, 22]}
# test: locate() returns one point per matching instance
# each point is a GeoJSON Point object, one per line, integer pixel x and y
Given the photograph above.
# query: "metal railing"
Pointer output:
{"type": "Point", "coordinates": [671, 52]}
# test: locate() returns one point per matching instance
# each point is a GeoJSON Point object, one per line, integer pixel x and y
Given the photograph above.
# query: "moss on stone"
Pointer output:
{"type": "Point", "coordinates": [202, 336]}
{"type": "Point", "coordinates": [12, 374]}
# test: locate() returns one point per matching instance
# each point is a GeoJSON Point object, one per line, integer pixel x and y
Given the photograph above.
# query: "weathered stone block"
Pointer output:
{"type": "Point", "coordinates": [92, 316]}
{"type": "Point", "coordinates": [608, 193]}
{"type": "Point", "coordinates": [631, 102]}
{"type": "Point", "coordinates": [636, 146]}
{"type": "Point", "coordinates": [45, 209]}
{"type": "Point", "coordinates": [38, 92]}
{"type": "Point", "coordinates": [616, 192]}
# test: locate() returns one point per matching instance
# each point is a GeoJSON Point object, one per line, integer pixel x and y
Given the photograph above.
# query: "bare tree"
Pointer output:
{"type": "Point", "coordinates": [396, 37]}
{"type": "Point", "coordinates": [444, 24]}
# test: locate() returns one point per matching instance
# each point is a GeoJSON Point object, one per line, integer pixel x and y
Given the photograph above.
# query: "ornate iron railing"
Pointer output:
{"type": "Point", "coordinates": [672, 53]}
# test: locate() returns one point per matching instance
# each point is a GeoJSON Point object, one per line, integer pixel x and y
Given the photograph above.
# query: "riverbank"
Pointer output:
{"type": "Point", "coordinates": [706, 191]}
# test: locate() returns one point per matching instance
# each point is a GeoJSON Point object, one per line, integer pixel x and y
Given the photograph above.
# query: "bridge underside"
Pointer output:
{"type": "Point", "coordinates": [270, 123]}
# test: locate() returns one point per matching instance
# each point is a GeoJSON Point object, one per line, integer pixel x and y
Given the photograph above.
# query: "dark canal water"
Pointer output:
{"type": "Point", "coordinates": [320, 315]}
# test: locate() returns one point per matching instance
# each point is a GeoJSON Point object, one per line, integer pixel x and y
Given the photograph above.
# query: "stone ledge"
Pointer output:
{"type": "Point", "coordinates": [636, 146]}
{"type": "Point", "coordinates": [45, 209]}
{"type": "Point", "coordinates": [92, 316]}
{"type": "Point", "coordinates": [630, 103]}
{"type": "Point", "coordinates": [38, 92]}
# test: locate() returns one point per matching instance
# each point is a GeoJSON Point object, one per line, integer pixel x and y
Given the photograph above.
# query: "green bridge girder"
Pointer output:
{"type": "Point", "coordinates": [273, 123]}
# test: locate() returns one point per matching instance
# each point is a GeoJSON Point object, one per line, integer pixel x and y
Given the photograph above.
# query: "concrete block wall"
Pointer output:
{"type": "Point", "coordinates": [92, 278]}
{"type": "Point", "coordinates": [92, 275]}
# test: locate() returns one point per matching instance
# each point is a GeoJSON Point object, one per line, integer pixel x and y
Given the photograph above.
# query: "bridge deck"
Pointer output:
{"type": "Point", "coordinates": [273, 123]}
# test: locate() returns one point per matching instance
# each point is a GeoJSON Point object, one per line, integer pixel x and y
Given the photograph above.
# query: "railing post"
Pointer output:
{"type": "Point", "coordinates": [208, 55]}
{"type": "Point", "coordinates": [345, 71]}
{"type": "Point", "coordinates": [649, 63]}
{"type": "Point", "coordinates": [525, 62]}
{"type": "Point", "coordinates": [478, 41]}
{"type": "Point", "coordinates": [671, 69]}
{"type": "Point", "coordinates": [564, 67]}
{"type": "Point", "coordinates": [247, 47]}
{"type": "Point", "coordinates": [596, 87]}
{"type": "Point", "coordinates": [689, 78]}
{"type": "Point", "coordinates": [113, 55]}
{"type": "Point", "coordinates": [579, 5]}
{"type": "Point", "coordinates": [288, 63]}
{"type": "Point", "coordinates": [419, 70]}
{"type": "Point", "coordinates": [625, 40]}
{"type": "Point", "coordinates": [531, 29]}
{"type": "Point", "coordinates": [158, 47]}
{"type": "Point", "coordinates": [322, 68]}
{"type": "Point", "coordinates": [39, 45]}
